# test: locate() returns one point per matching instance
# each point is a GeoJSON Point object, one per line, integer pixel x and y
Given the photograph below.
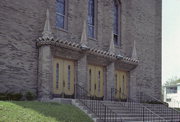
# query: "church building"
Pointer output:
{"type": "Point", "coordinates": [48, 47]}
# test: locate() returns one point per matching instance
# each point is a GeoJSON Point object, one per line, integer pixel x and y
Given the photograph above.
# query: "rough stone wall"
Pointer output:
{"type": "Point", "coordinates": [145, 27]}
{"type": "Point", "coordinates": [22, 21]}
{"type": "Point", "coordinates": [158, 48]}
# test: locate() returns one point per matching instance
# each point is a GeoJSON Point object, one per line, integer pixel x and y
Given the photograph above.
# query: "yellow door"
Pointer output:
{"type": "Point", "coordinates": [63, 77]}
{"type": "Point", "coordinates": [117, 85]}
{"type": "Point", "coordinates": [58, 76]}
{"type": "Point", "coordinates": [95, 81]}
{"type": "Point", "coordinates": [99, 82]}
{"type": "Point", "coordinates": [120, 84]}
{"type": "Point", "coordinates": [91, 80]}
{"type": "Point", "coordinates": [69, 77]}
{"type": "Point", "coordinates": [124, 85]}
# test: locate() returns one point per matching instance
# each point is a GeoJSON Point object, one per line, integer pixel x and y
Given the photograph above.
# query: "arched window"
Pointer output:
{"type": "Point", "coordinates": [61, 14]}
{"type": "Point", "coordinates": [91, 18]}
{"type": "Point", "coordinates": [116, 22]}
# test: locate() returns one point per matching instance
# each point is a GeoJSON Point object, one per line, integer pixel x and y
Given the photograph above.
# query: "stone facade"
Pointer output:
{"type": "Point", "coordinates": [24, 66]}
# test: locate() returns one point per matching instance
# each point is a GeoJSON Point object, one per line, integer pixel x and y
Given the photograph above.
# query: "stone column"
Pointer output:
{"type": "Point", "coordinates": [45, 72]}
{"type": "Point", "coordinates": [110, 80]}
{"type": "Point", "coordinates": [132, 84]}
{"type": "Point", "coordinates": [133, 89]}
{"type": "Point", "coordinates": [82, 72]}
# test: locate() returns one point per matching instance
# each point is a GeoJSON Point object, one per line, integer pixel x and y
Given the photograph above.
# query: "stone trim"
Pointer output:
{"type": "Point", "coordinates": [88, 50]}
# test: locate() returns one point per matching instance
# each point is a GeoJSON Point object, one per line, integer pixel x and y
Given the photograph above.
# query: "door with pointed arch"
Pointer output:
{"type": "Point", "coordinates": [96, 81]}
{"type": "Point", "coordinates": [121, 91]}
{"type": "Point", "coordinates": [63, 77]}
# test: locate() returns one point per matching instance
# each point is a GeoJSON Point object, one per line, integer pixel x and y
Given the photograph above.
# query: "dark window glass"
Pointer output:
{"type": "Point", "coordinates": [69, 76]}
{"type": "Point", "coordinates": [91, 18]}
{"type": "Point", "coordinates": [116, 80]}
{"type": "Point", "coordinates": [116, 84]}
{"type": "Point", "coordinates": [168, 100]}
{"type": "Point", "coordinates": [90, 31]}
{"type": "Point", "coordinates": [89, 80]}
{"type": "Point", "coordinates": [60, 6]}
{"type": "Point", "coordinates": [115, 39]}
{"type": "Point", "coordinates": [123, 85]}
{"type": "Point", "coordinates": [60, 13]}
{"type": "Point", "coordinates": [115, 22]}
{"type": "Point", "coordinates": [60, 21]}
{"type": "Point", "coordinates": [99, 77]}
{"type": "Point", "coordinates": [57, 76]}
{"type": "Point", "coordinates": [171, 90]}
{"type": "Point", "coordinates": [115, 9]}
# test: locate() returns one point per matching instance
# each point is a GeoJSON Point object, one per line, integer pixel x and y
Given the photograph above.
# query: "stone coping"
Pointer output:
{"type": "Point", "coordinates": [84, 48]}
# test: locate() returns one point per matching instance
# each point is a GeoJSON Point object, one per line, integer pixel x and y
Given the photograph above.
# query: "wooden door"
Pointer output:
{"type": "Point", "coordinates": [99, 82]}
{"type": "Point", "coordinates": [96, 81]}
{"type": "Point", "coordinates": [69, 77]}
{"type": "Point", "coordinates": [58, 73]}
{"type": "Point", "coordinates": [120, 84]}
{"type": "Point", "coordinates": [91, 80]}
{"type": "Point", "coordinates": [63, 77]}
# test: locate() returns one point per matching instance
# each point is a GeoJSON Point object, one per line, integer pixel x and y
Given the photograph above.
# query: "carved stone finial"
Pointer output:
{"type": "Point", "coordinates": [134, 53]}
{"type": "Point", "coordinates": [84, 35]}
{"type": "Point", "coordinates": [47, 33]}
{"type": "Point", "coordinates": [111, 47]}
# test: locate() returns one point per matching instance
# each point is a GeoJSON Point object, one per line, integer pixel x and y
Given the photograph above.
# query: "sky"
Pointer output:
{"type": "Point", "coordinates": [170, 39]}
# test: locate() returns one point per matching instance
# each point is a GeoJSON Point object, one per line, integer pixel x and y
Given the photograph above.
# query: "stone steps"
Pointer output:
{"type": "Point", "coordinates": [165, 112]}
{"type": "Point", "coordinates": [124, 113]}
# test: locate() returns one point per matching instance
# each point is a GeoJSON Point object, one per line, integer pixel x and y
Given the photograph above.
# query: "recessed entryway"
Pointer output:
{"type": "Point", "coordinates": [63, 77]}
{"type": "Point", "coordinates": [96, 81]}
{"type": "Point", "coordinates": [120, 84]}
